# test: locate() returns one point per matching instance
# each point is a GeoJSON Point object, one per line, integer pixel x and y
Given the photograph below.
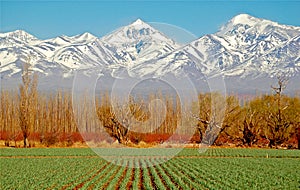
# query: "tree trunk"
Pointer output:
{"type": "Point", "coordinates": [200, 135]}
{"type": "Point", "coordinates": [298, 137]}
{"type": "Point", "coordinates": [25, 140]}
{"type": "Point", "coordinates": [271, 143]}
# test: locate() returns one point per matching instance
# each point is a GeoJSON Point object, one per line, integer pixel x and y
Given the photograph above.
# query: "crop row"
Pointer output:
{"type": "Point", "coordinates": [212, 152]}
{"type": "Point", "coordinates": [177, 173]}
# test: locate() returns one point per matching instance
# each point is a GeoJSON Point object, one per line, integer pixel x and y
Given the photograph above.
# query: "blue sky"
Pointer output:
{"type": "Point", "coordinates": [46, 19]}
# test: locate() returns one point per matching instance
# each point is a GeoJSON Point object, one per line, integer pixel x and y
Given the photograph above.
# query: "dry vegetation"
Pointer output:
{"type": "Point", "coordinates": [34, 117]}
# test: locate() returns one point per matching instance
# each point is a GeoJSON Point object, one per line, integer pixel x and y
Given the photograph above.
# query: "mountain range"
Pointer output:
{"type": "Point", "coordinates": [248, 52]}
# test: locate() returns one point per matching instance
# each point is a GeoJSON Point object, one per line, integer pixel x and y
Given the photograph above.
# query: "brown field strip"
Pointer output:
{"type": "Point", "coordinates": [145, 157]}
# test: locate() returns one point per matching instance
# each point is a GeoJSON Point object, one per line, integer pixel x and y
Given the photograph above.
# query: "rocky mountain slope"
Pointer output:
{"type": "Point", "coordinates": [245, 48]}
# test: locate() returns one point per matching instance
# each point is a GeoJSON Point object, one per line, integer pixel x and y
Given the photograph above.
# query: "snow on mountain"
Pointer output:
{"type": "Point", "coordinates": [245, 47]}
{"type": "Point", "coordinates": [254, 34]}
{"type": "Point", "coordinates": [84, 56]}
{"type": "Point", "coordinates": [61, 52]}
{"type": "Point", "coordinates": [13, 45]}
{"type": "Point", "coordinates": [261, 45]}
{"type": "Point", "coordinates": [136, 42]}
{"type": "Point", "coordinates": [192, 57]}
{"type": "Point", "coordinates": [139, 42]}
{"type": "Point", "coordinates": [85, 37]}
{"type": "Point", "coordinates": [16, 38]}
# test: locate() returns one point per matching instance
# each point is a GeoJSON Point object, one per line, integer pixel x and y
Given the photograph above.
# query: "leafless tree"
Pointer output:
{"type": "Point", "coordinates": [277, 124]}
{"type": "Point", "coordinates": [118, 120]}
{"type": "Point", "coordinates": [27, 100]}
{"type": "Point", "coordinates": [250, 130]}
{"type": "Point", "coordinates": [214, 117]}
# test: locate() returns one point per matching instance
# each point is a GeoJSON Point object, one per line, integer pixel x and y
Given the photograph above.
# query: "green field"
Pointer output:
{"type": "Point", "coordinates": [81, 168]}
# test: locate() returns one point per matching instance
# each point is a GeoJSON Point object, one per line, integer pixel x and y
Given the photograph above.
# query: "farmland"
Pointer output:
{"type": "Point", "coordinates": [82, 168]}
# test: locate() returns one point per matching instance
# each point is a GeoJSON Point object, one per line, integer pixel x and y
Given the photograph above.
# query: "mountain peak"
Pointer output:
{"type": "Point", "coordinates": [19, 32]}
{"type": "Point", "coordinates": [242, 22]}
{"type": "Point", "coordinates": [138, 22]}
{"type": "Point", "coordinates": [85, 36]}
{"type": "Point", "coordinates": [137, 30]}
{"type": "Point", "coordinates": [244, 19]}
{"type": "Point", "coordinates": [20, 35]}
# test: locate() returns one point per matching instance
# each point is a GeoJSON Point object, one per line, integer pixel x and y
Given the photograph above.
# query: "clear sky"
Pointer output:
{"type": "Point", "coordinates": [47, 19]}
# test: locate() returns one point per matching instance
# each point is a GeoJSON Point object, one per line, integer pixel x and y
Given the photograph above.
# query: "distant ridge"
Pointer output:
{"type": "Point", "coordinates": [246, 47]}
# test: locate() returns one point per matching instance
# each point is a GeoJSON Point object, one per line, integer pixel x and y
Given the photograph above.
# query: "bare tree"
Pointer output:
{"type": "Point", "coordinates": [27, 99]}
{"type": "Point", "coordinates": [277, 124]}
{"type": "Point", "coordinates": [120, 119]}
{"type": "Point", "coordinates": [216, 115]}
{"type": "Point", "coordinates": [250, 129]}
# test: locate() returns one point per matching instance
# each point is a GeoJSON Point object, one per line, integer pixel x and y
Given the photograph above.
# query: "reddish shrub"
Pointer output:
{"type": "Point", "coordinates": [155, 138]}
{"type": "Point", "coordinates": [96, 137]}
{"type": "Point", "coordinates": [50, 139]}
{"type": "Point", "coordinates": [34, 136]}
{"type": "Point", "coordinates": [4, 135]}
{"type": "Point", "coordinates": [76, 137]}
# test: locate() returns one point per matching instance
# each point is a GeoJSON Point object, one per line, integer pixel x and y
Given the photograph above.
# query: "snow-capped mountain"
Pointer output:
{"type": "Point", "coordinates": [19, 47]}
{"type": "Point", "coordinates": [139, 42]}
{"type": "Point", "coordinates": [245, 47]}
{"type": "Point", "coordinates": [260, 45]}
{"type": "Point", "coordinates": [136, 42]}
{"type": "Point", "coordinates": [16, 38]}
